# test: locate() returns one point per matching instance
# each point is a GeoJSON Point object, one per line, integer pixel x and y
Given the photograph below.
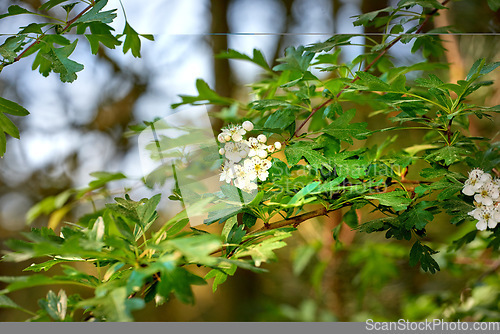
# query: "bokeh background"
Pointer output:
{"type": "Point", "coordinates": [75, 129]}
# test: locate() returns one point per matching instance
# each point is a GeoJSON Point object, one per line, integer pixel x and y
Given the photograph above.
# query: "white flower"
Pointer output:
{"type": "Point", "coordinates": [262, 154]}
{"type": "Point", "coordinates": [243, 179]}
{"type": "Point", "coordinates": [262, 138]}
{"type": "Point", "coordinates": [496, 212]}
{"type": "Point", "coordinates": [487, 193]}
{"type": "Point", "coordinates": [234, 132]}
{"type": "Point", "coordinates": [236, 151]}
{"type": "Point", "coordinates": [476, 213]}
{"type": "Point", "coordinates": [227, 173]}
{"type": "Point", "coordinates": [245, 185]}
{"type": "Point", "coordinates": [277, 145]}
{"type": "Point", "coordinates": [247, 125]}
{"type": "Point", "coordinates": [221, 138]}
{"type": "Point", "coordinates": [257, 168]}
{"type": "Point", "coordinates": [256, 148]}
{"type": "Point", "coordinates": [486, 218]}
{"type": "Point", "coordinates": [475, 181]}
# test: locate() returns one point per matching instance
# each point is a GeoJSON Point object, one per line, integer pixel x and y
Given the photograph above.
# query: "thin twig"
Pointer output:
{"type": "Point", "coordinates": [295, 221]}
{"type": "Point", "coordinates": [370, 65]}
{"type": "Point", "coordinates": [39, 38]}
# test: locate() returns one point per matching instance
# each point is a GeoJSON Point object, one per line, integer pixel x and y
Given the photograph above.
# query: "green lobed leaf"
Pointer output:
{"type": "Point", "coordinates": [95, 14]}
{"type": "Point", "coordinates": [448, 154]}
{"type": "Point", "coordinates": [205, 96]}
{"type": "Point", "coordinates": [60, 63]}
{"type": "Point", "coordinates": [258, 57]}
{"type": "Point", "coordinates": [55, 305]}
{"type": "Point", "coordinates": [295, 152]}
{"type": "Point", "coordinates": [179, 281]}
{"type": "Point", "coordinates": [115, 305]}
{"type": "Point", "coordinates": [45, 266]}
{"type": "Point", "coordinates": [51, 4]}
{"type": "Point", "coordinates": [269, 103]}
{"type": "Point", "coordinates": [220, 274]}
{"type": "Point", "coordinates": [424, 3]}
{"type": "Point", "coordinates": [12, 108]}
{"type": "Point", "coordinates": [423, 254]}
{"type": "Point", "coordinates": [132, 41]}
{"type": "Point", "coordinates": [372, 82]}
{"type": "Point", "coordinates": [332, 42]}
{"type": "Point", "coordinates": [15, 10]}
{"type": "Point", "coordinates": [33, 28]}
{"type": "Point", "coordinates": [466, 239]}
{"type": "Point", "coordinates": [100, 34]}
{"type": "Point", "coordinates": [343, 130]}
{"type": "Point", "coordinates": [417, 217]}
{"type": "Point", "coordinates": [280, 119]}
{"type": "Point", "coordinates": [8, 127]}
{"type": "Point", "coordinates": [12, 45]}
{"type": "Point", "coordinates": [147, 211]}
{"type": "Point", "coordinates": [303, 192]}
{"type": "Point", "coordinates": [296, 59]}
{"type": "Point", "coordinates": [263, 250]}
{"type": "Point", "coordinates": [397, 199]}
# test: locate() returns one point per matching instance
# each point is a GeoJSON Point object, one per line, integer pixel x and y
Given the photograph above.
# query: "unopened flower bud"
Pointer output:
{"type": "Point", "coordinates": [247, 125]}
{"type": "Point", "coordinates": [262, 154]}
{"type": "Point", "coordinates": [227, 137]}
{"type": "Point", "coordinates": [262, 138]}
{"type": "Point", "coordinates": [221, 138]}
{"type": "Point", "coordinates": [222, 151]}
{"type": "Point", "coordinates": [277, 145]}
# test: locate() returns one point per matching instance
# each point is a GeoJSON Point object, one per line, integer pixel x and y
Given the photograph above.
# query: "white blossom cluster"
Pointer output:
{"type": "Point", "coordinates": [486, 192]}
{"type": "Point", "coordinates": [246, 160]}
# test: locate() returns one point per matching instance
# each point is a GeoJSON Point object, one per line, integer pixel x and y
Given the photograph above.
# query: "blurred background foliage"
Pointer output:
{"type": "Point", "coordinates": [75, 129]}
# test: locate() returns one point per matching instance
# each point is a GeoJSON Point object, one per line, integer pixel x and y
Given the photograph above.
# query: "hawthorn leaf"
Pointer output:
{"type": "Point", "coordinates": [220, 274]}
{"type": "Point", "coordinates": [15, 10]}
{"type": "Point", "coordinates": [397, 199]}
{"type": "Point", "coordinates": [95, 14]}
{"type": "Point", "coordinates": [417, 217]}
{"type": "Point", "coordinates": [8, 127]}
{"type": "Point", "coordinates": [450, 155]}
{"type": "Point", "coordinates": [372, 82]}
{"type": "Point", "coordinates": [332, 42]}
{"type": "Point", "coordinates": [294, 153]}
{"type": "Point", "coordinates": [60, 63]}
{"type": "Point", "coordinates": [258, 57]}
{"type": "Point", "coordinates": [206, 95]}
{"type": "Point", "coordinates": [342, 130]}
{"type": "Point", "coordinates": [424, 3]}
{"type": "Point", "coordinates": [55, 305]}
{"type": "Point", "coordinates": [51, 4]}
{"type": "Point", "coordinates": [132, 41]}
{"type": "Point", "coordinates": [303, 192]}
{"type": "Point", "coordinates": [11, 46]}
{"type": "Point", "coordinates": [423, 254]}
